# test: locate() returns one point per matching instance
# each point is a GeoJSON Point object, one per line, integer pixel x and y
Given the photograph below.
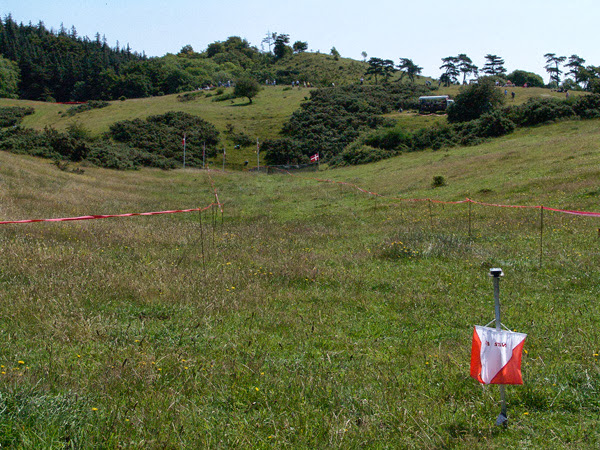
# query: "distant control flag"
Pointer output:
{"type": "Point", "coordinates": [315, 157]}
{"type": "Point", "coordinates": [496, 356]}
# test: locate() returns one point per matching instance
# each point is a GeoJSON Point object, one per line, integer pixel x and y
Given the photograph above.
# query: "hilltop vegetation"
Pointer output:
{"type": "Point", "coordinates": [48, 65]}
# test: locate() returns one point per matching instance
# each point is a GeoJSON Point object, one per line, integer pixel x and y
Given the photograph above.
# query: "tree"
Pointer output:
{"type": "Point", "coordinates": [475, 100]}
{"type": "Point", "coordinates": [186, 50]}
{"type": "Point", "coordinates": [450, 70]}
{"type": "Point", "coordinates": [520, 77]}
{"type": "Point", "coordinates": [269, 39]}
{"type": "Point", "coordinates": [300, 46]}
{"type": "Point", "coordinates": [335, 53]}
{"type": "Point", "coordinates": [364, 55]}
{"type": "Point", "coordinates": [9, 78]}
{"type": "Point", "coordinates": [466, 66]}
{"type": "Point", "coordinates": [388, 69]}
{"type": "Point", "coordinates": [409, 68]}
{"type": "Point", "coordinates": [246, 87]}
{"type": "Point", "coordinates": [576, 67]}
{"type": "Point", "coordinates": [281, 49]}
{"type": "Point", "coordinates": [553, 63]}
{"type": "Point", "coordinates": [494, 65]}
{"type": "Point", "coordinates": [375, 68]}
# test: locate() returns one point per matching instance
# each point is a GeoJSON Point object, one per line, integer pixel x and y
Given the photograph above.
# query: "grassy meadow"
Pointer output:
{"type": "Point", "coordinates": [308, 314]}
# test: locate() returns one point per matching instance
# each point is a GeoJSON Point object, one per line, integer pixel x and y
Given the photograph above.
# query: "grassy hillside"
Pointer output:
{"type": "Point", "coordinates": [309, 314]}
{"type": "Point", "coordinates": [322, 70]}
{"type": "Point", "coordinates": [264, 117]}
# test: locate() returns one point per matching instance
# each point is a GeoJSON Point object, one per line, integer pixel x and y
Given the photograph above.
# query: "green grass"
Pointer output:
{"type": "Point", "coordinates": [263, 118]}
{"type": "Point", "coordinates": [289, 321]}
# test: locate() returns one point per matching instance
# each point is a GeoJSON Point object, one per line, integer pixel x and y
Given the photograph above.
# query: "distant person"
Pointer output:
{"type": "Point", "coordinates": [512, 94]}
{"type": "Point", "coordinates": [505, 92]}
{"type": "Point", "coordinates": [567, 94]}
{"type": "Point", "coordinates": [362, 80]}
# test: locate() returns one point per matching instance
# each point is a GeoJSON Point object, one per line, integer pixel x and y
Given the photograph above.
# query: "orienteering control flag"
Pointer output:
{"type": "Point", "coordinates": [314, 157]}
{"type": "Point", "coordinates": [496, 356]}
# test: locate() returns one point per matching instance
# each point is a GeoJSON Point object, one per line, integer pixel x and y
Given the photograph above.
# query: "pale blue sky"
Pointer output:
{"type": "Point", "coordinates": [424, 31]}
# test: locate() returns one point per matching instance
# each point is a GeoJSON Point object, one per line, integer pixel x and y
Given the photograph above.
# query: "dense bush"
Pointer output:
{"type": "Point", "coordinates": [388, 142]}
{"type": "Point", "coordinates": [475, 100]}
{"type": "Point", "coordinates": [190, 96]}
{"type": "Point", "coordinates": [494, 124]}
{"type": "Point", "coordinates": [155, 142]}
{"type": "Point", "coordinates": [540, 110]}
{"type": "Point", "coordinates": [332, 118]}
{"type": "Point", "coordinates": [12, 115]}
{"type": "Point", "coordinates": [283, 151]}
{"type": "Point", "coordinates": [520, 77]}
{"type": "Point", "coordinates": [26, 141]}
{"type": "Point", "coordinates": [92, 104]}
{"type": "Point", "coordinates": [587, 106]}
{"type": "Point", "coordinates": [358, 153]}
{"type": "Point", "coordinates": [388, 139]}
{"type": "Point", "coordinates": [162, 136]}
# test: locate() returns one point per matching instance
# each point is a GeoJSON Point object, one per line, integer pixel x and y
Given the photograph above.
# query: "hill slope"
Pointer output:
{"type": "Point", "coordinates": [309, 313]}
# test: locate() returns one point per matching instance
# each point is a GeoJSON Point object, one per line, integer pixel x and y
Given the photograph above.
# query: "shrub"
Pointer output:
{"type": "Point", "coordinates": [224, 97]}
{"type": "Point", "coordinates": [161, 136]}
{"type": "Point", "coordinates": [540, 110]}
{"type": "Point", "coordinates": [13, 115]}
{"type": "Point", "coordinates": [475, 100]}
{"type": "Point", "coordinates": [92, 104]}
{"type": "Point", "coordinates": [520, 77]}
{"type": "Point", "coordinates": [283, 151]}
{"type": "Point", "coordinates": [389, 139]}
{"type": "Point", "coordinates": [358, 153]}
{"type": "Point", "coordinates": [587, 106]}
{"type": "Point", "coordinates": [494, 124]}
{"type": "Point", "coordinates": [438, 181]}
{"type": "Point", "coordinates": [189, 96]}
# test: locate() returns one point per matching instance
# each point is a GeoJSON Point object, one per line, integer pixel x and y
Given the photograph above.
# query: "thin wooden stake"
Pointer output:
{"type": "Point", "coordinates": [541, 235]}
{"type": "Point", "coordinates": [470, 235]}
{"type": "Point", "coordinates": [430, 215]}
{"type": "Point", "coordinates": [202, 242]}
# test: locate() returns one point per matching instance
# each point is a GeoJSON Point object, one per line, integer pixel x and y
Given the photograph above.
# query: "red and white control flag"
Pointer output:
{"type": "Point", "coordinates": [314, 157]}
{"type": "Point", "coordinates": [496, 356]}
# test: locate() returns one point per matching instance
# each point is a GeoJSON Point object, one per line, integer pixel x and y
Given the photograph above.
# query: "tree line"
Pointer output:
{"type": "Point", "coordinates": [59, 65]}
{"type": "Point", "coordinates": [461, 66]}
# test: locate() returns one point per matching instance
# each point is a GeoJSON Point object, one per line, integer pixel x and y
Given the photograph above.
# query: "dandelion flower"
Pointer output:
{"type": "Point", "coordinates": [94, 409]}
{"type": "Point", "coordinates": [21, 362]}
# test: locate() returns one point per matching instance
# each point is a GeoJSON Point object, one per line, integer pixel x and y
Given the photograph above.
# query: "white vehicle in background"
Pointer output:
{"type": "Point", "coordinates": [434, 103]}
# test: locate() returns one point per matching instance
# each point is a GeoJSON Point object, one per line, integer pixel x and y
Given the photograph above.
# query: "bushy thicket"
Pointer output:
{"type": "Point", "coordinates": [92, 104]}
{"type": "Point", "coordinates": [386, 142]}
{"type": "Point", "coordinates": [12, 115]}
{"type": "Point", "coordinates": [540, 110]}
{"type": "Point", "coordinates": [154, 142]}
{"type": "Point", "coordinates": [475, 100]}
{"type": "Point", "coordinates": [334, 117]}
{"type": "Point", "coordinates": [162, 136]}
{"type": "Point", "coordinates": [587, 106]}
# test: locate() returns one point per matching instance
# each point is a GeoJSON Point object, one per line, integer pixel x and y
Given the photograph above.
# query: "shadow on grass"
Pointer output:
{"type": "Point", "coordinates": [240, 104]}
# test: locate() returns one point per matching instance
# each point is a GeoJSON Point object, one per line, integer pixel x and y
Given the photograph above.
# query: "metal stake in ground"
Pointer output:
{"type": "Point", "coordinates": [496, 274]}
